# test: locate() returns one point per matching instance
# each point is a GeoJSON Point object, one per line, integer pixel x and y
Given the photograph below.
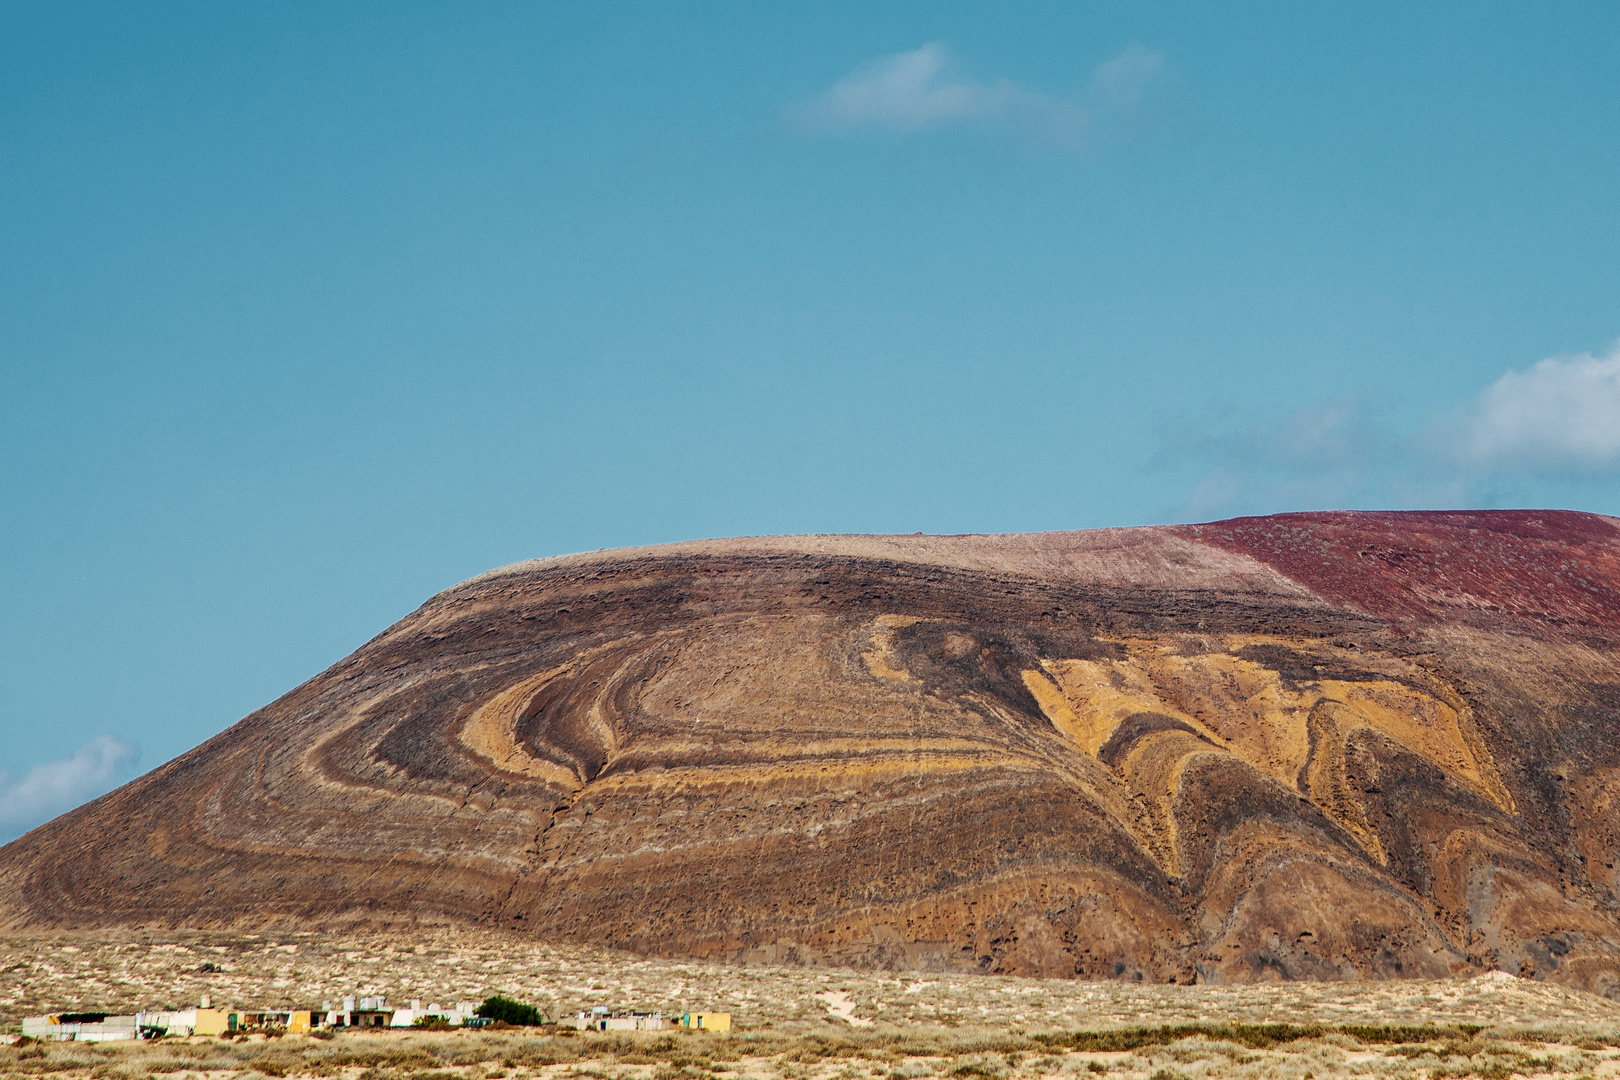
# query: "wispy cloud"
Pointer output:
{"type": "Point", "coordinates": [1328, 454]}
{"type": "Point", "coordinates": [1123, 85]}
{"type": "Point", "coordinates": [925, 89]}
{"type": "Point", "coordinates": [1561, 418]}
{"type": "Point", "coordinates": [55, 787]}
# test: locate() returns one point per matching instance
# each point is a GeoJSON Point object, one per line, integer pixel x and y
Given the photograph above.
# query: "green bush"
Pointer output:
{"type": "Point", "coordinates": [431, 1023]}
{"type": "Point", "coordinates": [511, 1012]}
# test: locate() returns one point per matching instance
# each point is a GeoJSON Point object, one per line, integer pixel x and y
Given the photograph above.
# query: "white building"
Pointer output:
{"type": "Point", "coordinates": [455, 1017]}
{"type": "Point", "coordinates": [600, 1019]}
{"type": "Point", "coordinates": [106, 1029]}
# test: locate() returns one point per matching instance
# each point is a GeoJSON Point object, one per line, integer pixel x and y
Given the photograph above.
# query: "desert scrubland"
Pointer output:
{"type": "Point", "coordinates": [791, 1023]}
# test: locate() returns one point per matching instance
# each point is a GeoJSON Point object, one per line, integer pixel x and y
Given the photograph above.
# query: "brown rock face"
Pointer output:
{"type": "Point", "coordinates": [1309, 746]}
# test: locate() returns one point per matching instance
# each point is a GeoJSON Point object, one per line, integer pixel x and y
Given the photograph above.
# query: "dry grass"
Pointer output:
{"type": "Point", "coordinates": [953, 1027]}
{"type": "Point", "coordinates": [769, 1056]}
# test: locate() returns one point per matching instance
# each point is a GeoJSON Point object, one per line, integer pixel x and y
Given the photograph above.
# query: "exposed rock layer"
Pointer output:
{"type": "Point", "coordinates": [1310, 746]}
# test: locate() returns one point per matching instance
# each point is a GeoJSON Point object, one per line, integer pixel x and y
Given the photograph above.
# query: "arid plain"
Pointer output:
{"type": "Point", "coordinates": [800, 1023]}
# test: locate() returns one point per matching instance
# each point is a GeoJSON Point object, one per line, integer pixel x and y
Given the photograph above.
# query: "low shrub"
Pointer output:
{"type": "Point", "coordinates": [507, 1011]}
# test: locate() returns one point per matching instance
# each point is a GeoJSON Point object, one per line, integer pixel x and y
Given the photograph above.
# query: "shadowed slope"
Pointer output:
{"type": "Point", "coordinates": [1237, 751]}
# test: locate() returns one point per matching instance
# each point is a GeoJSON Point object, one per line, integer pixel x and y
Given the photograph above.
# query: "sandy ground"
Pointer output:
{"type": "Point", "coordinates": [129, 971]}
{"type": "Point", "coordinates": [791, 1023]}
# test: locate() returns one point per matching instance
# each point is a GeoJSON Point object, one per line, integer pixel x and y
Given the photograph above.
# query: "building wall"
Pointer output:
{"type": "Point", "coordinates": [210, 1022]}
{"type": "Point", "coordinates": [716, 1022]}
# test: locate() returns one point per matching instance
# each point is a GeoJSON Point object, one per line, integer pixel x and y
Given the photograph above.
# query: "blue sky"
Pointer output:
{"type": "Point", "coordinates": [307, 312]}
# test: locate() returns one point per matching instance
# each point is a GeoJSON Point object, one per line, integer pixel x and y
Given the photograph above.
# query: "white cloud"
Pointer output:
{"type": "Point", "coordinates": [1563, 415]}
{"type": "Point", "coordinates": [922, 89]}
{"type": "Point", "coordinates": [53, 787]}
{"type": "Point", "coordinates": [903, 92]}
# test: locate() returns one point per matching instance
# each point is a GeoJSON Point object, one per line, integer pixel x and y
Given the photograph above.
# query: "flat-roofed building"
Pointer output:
{"type": "Point", "coordinates": [600, 1019]}
{"type": "Point", "coordinates": [82, 1027]}
{"type": "Point", "coordinates": [716, 1022]}
{"type": "Point", "coordinates": [199, 1020]}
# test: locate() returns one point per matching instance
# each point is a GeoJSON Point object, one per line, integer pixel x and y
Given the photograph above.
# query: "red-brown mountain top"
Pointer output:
{"type": "Point", "coordinates": [1307, 746]}
{"type": "Point", "coordinates": [1551, 567]}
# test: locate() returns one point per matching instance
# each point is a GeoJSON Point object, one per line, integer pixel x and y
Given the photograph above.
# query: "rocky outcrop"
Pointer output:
{"type": "Point", "coordinates": [1308, 746]}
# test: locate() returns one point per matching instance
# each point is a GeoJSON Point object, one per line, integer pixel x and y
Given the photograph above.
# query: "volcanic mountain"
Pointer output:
{"type": "Point", "coordinates": [1306, 746]}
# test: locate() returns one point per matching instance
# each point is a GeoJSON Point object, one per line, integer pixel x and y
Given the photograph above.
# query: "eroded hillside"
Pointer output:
{"type": "Point", "coordinates": [1316, 746]}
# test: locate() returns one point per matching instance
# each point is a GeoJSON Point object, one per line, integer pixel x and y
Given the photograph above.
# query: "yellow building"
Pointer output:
{"type": "Point", "coordinates": [209, 1022]}
{"type": "Point", "coordinates": [716, 1022]}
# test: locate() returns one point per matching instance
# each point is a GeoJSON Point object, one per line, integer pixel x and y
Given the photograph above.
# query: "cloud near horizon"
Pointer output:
{"type": "Point", "coordinates": [1563, 415]}
{"type": "Point", "coordinates": [1559, 418]}
{"type": "Point", "coordinates": [55, 787]}
{"type": "Point", "coordinates": [923, 90]}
